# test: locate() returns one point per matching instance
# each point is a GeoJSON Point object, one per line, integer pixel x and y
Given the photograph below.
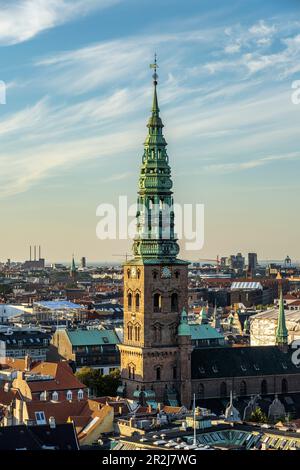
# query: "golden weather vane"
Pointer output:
{"type": "Point", "coordinates": [155, 67]}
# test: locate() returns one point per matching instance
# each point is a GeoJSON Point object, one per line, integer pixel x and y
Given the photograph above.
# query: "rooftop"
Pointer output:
{"type": "Point", "coordinates": [92, 337]}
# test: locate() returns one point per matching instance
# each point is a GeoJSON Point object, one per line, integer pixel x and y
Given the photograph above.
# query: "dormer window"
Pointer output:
{"type": "Point", "coordinates": [80, 394]}
{"type": "Point", "coordinates": [69, 395]}
{"type": "Point", "coordinates": [54, 396]}
{"type": "Point", "coordinates": [40, 418]}
{"type": "Point", "coordinates": [43, 396]}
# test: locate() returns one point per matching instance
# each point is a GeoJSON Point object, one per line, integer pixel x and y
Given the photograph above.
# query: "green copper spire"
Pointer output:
{"type": "Point", "coordinates": [184, 327]}
{"type": "Point", "coordinates": [281, 331]}
{"type": "Point", "coordinates": [155, 240]}
{"type": "Point", "coordinates": [73, 267]}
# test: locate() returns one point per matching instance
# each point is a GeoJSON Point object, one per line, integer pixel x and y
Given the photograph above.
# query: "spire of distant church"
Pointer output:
{"type": "Point", "coordinates": [73, 268]}
{"type": "Point", "coordinates": [281, 331]}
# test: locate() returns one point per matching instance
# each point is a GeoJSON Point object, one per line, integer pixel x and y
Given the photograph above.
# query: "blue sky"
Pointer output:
{"type": "Point", "coordinates": [79, 95]}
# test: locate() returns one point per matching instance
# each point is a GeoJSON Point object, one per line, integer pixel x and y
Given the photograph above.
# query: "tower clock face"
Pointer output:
{"type": "Point", "coordinates": [133, 272]}
{"type": "Point", "coordinates": [166, 272]}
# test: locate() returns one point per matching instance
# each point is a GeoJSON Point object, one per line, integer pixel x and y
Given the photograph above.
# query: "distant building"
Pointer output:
{"type": "Point", "coordinates": [83, 262]}
{"type": "Point", "coordinates": [20, 342]}
{"type": "Point", "coordinates": [252, 263]}
{"type": "Point", "coordinates": [47, 436]}
{"type": "Point", "coordinates": [87, 348]}
{"type": "Point", "coordinates": [45, 310]}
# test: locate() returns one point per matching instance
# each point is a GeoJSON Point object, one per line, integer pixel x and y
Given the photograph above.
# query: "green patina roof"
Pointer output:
{"type": "Point", "coordinates": [204, 332]}
{"type": "Point", "coordinates": [155, 237]}
{"type": "Point", "coordinates": [281, 331]}
{"type": "Point", "coordinates": [73, 265]}
{"type": "Point", "coordinates": [92, 337]}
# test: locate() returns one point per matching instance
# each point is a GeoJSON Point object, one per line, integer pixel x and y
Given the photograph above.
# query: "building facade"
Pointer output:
{"type": "Point", "coordinates": [87, 348]}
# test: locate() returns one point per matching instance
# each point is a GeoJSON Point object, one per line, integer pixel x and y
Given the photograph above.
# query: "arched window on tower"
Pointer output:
{"type": "Point", "coordinates": [129, 300]}
{"type": "Point", "coordinates": [174, 302]}
{"type": "Point", "coordinates": [243, 388]}
{"type": "Point", "coordinates": [128, 273]}
{"type": "Point", "coordinates": [137, 332]}
{"type": "Point", "coordinates": [284, 386]}
{"type": "Point", "coordinates": [129, 331]}
{"type": "Point", "coordinates": [264, 387]}
{"type": "Point", "coordinates": [137, 301]}
{"type": "Point", "coordinates": [157, 303]}
{"type": "Point", "coordinates": [223, 389]}
{"type": "Point", "coordinates": [158, 373]}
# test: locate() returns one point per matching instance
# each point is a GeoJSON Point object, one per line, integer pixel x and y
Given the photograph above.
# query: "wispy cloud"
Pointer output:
{"type": "Point", "coordinates": [23, 19]}
{"type": "Point", "coordinates": [94, 101]}
{"type": "Point", "coordinates": [248, 165]}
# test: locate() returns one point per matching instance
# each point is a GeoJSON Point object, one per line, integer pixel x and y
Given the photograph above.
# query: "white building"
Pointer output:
{"type": "Point", "coordinates": [263, 326]}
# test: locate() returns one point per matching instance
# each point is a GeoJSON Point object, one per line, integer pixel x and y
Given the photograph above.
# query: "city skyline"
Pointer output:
{"type": "Point", "coordinates": [74, 122]}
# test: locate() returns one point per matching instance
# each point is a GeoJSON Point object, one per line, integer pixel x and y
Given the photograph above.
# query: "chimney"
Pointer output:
{"type": "Point", "coordinates": [52, 422]}
{"type": "Point", "coordinates": [34, 252]}
{"type": "Point", "coordinates": [27, 363]}
{"type": "Point", "coordinates": [30, 253]}
{"type": "Point", "coordinates": [39, 251]}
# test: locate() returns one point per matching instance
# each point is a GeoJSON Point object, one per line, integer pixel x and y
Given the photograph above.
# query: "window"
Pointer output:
{"type": "Point", "coordinates": [174, 302]}
{"type": "Point", "coordinates": [129, 300]}
{"type": "Point", "coordinates": [137, 301]}
{"type": "Point", "coordinates": [177, 274]}
{"type": "Point", "coordinates": [54, 396]}
{"type": "Point", "coordinates": [201, 391]}
{"type": "Point", "coordinates": [128, 273]}
{"type": "Point", "coordinates": [137, 329]}
{"type": "Point", "coordinates": [129, 331]}
{"type": "Point", "coordinates": [155, 274]}
{"type": "Point", "coordinates": [243, 388]}
{"type": "Point", "coordinates": [264, 387]}
{"type": "Point", "coordinates": [138, 273]}
{"type": "Point", "coordinates": [80, 394]}
{"type": "Point", "coordinates": [43, 396]}
{"type": "Point", "coordinates": [284, 386]}
{"type": "Point", "coordinates": [131, 372]}
{"type": "Point", "coordinates": [174, 372]}
{"type": "Point", "coordinates": [223, 389]}
{"type": "Point", "coordinates": [158, 374]}
{"type": "Point", "coordinates": [157, 303]}
{"type": "Point", "coordinates": [69, 395]}
{"type": "Point", "coordinates": [40, 417]}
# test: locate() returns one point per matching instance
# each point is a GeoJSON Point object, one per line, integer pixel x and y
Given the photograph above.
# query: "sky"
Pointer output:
{"type": "Point", "coordinates": [78, 96]}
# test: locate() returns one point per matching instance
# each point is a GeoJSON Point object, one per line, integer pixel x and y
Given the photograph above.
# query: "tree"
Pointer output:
{"type": "Point", "coordinates": [258, 416]}
{"type": "Point", "coordinates": [99, 385]}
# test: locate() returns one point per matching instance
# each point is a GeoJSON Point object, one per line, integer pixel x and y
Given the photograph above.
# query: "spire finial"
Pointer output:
{"type": "Point", "coordinates": [155, 67]}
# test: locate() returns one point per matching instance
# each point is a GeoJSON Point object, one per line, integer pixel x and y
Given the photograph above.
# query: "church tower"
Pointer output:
{"type": "Point", "coordinates": [155, 281]}
{"type": "Point", "coordinates": [282, 333]}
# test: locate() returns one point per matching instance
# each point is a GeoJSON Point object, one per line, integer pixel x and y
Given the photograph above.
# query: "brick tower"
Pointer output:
{"type": "Point", "coordinates": [155, 281]}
